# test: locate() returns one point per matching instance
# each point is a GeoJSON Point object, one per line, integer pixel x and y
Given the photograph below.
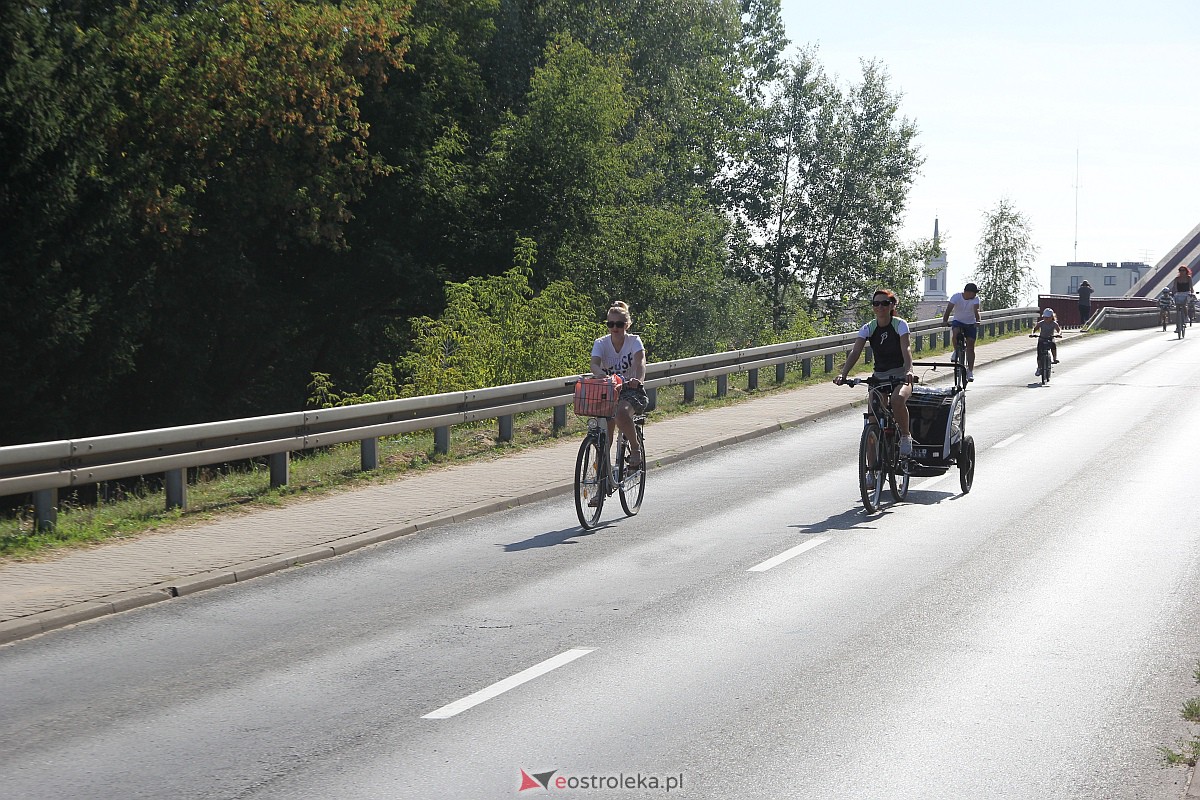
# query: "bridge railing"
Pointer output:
{"type": "Point", "coordinates": [45, 468]}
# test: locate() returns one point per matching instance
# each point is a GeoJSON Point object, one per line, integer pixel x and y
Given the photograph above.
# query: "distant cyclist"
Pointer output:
{"type": "Point", "coordinates": [1165, 303]}
{"type": "Point", "coordinates": [964, 306]}
{"type": "Point", "coordinates": [1182, 287]}
{"type": "Point", "coordinates": [1046, 328]}
{"type": "Point", "coordinates": [888, 335]}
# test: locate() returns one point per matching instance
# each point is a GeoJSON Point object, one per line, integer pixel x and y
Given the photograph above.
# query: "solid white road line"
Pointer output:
{"type": "Point", "coordinates": [1062, 411]}
{"type": "Point", "coordinates": [786, 554]}
{"type": "Point", "coordinates": [500, 687]}
{"type": "Point", "coordinates": [1009, 440]}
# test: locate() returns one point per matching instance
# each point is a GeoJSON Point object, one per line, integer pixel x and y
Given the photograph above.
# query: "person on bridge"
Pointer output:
{"type": "Point", "coordinates": [888, 335]}
{"type": "Point", "coordinates": [1085, 302]}
{"type": "Point", "coordinates": [621, 353]}
{"type": "Point", "coordinates": [964, 306]}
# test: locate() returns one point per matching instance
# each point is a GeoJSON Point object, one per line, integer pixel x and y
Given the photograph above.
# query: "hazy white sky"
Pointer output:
{"type": "Point", "coordinates": [1005, 93]}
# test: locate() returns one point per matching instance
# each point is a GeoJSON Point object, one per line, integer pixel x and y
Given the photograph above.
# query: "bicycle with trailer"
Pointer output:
{"type": "Point", "coordinates": [595, 478]}
{"type": "Point", "coordinates": [937, 420]}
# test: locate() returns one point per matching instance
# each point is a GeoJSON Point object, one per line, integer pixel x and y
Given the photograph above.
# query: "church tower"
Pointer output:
{"type": "Point", "coordinates": [935, 284]}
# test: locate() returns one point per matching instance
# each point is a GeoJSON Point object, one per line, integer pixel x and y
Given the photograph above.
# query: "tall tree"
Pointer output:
{"type": "Point", "coordinates": [1005, 255]}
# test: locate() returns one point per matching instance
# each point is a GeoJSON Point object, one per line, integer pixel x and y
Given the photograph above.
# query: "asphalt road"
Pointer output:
{"type": "Point", "coordinates": [1033, 639]}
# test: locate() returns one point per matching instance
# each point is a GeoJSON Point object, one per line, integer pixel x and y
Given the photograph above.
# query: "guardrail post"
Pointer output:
{"type": "Point", "coordinates": [506, 428]}
{"type": "Point", "coordinates": [652, 393]}
{"type": "Point", "coordinates": [920, 342]}
{"type": "Point", "coordinates": [441, 440]}
{"type": "Point", "coordinates": [560, 416]}
{"type": "Point", "coordinates": [829, 363]}
{"type": "Point", "coordinates": [806, 367]}
{"type": "Point", "coordinates": [867, 355]}
{"type": "Point", "coordinates": [945, 338]}
{"type": "Point", "coordinates": [722, 385]}
{"type": "Point", "coordinates": [752, 380]}
{"type": "Point", "coordinates": [992, 329]}
{"type": "Point", "coordinates": [689, 391]}
{"type": "Point", "coordinates": [280, 468]}
{"type": "Point", "coordinates": [176, 484]}
{"type": "Point", "coordinates": [780, 372]}
{"type": "Point", "coordinates": [45, 509]}
{"type": "Point", "coordinates": [369, 454]}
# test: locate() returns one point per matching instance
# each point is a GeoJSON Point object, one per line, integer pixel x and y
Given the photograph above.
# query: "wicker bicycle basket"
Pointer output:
{"type": "Point", "coordinates": [597, 397]}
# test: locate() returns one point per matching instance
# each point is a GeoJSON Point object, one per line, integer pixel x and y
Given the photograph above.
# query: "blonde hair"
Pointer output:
{"type": "Point", "coordinates": [622, 308]}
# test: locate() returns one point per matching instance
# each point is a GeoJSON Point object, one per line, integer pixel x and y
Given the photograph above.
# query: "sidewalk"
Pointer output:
{"type": "Point", "coordinates": [80, 585]}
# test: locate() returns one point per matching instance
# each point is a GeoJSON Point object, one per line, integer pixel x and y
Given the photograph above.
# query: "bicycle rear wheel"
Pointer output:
{"type": "Point", "coordinates": [1045, 367]}
{"type": "Point", "coordinates": [589, 483]}
{"type": "Point", "coordinates": [870, 478]}
{"type": "Point", "coordinates": [631, 483]}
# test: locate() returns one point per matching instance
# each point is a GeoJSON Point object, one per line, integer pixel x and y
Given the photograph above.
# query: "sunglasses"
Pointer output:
{"type": "Point", "coordinates": [881, 302]}
{"type": "Point", "coordinates": [617, 324]}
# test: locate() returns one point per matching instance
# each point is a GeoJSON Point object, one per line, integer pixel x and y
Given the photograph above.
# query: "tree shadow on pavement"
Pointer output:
{"type": "Point", "coordinates": [551, 538]}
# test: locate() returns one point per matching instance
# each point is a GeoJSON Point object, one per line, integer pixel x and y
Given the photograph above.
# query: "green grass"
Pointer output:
{"type": "Point", "coordinates": [1189, 749]}
{"type": "Point", "coordinates": [215, 492]}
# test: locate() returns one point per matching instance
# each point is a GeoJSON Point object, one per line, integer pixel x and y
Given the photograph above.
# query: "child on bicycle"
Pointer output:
{"type": "Point", "coordinates": [1046, 328]}
{"type": "Point", "coordinates": [888, 335]}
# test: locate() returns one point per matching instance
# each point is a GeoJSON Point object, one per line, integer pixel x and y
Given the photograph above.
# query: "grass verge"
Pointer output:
{"type": "Point", "coordinates": [1189, 749]}
{"type": "Point", "coordinates": [127, 509]}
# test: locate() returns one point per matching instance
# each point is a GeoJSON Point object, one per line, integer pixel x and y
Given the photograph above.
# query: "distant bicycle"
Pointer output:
{"type": "Point", "coordinates": [596, 479]}
{"type": "Point", "coordinates": [1181, 320]}
{"type": "Point", "coordinates": [960, 349]}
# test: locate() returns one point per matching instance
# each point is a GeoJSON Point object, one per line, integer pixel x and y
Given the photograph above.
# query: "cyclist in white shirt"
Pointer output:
{"type": "Point", "coordinates": [964, 306]}
{"type": "Point", "coordinates": [621, 353]}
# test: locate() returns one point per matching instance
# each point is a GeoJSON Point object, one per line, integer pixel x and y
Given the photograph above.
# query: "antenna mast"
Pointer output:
{"type": "Point", "coordinates": [1076, 258]}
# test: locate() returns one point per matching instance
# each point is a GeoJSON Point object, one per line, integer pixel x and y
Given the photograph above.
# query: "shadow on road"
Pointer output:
{"type": "Point", "coordinates": [551, 538]}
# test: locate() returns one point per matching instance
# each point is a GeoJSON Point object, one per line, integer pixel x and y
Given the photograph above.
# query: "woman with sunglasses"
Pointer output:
{"type": "Point", "coordinates": [621, 353]}
{"type": "Point", "coordinates": [888, 335]}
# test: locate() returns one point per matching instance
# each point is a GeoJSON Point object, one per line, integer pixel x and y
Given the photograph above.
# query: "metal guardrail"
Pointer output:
{"type": "Point", "coordinates": [45, 468]}
{"type": "Point", "coordinates": [1122, 319]}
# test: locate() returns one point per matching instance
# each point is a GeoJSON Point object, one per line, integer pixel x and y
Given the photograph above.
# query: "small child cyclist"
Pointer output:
{"type": "Point", "coordinates": [1046, 327]}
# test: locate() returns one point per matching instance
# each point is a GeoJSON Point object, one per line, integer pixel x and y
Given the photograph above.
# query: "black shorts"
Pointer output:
{"type": "Point", "coordinates": [638, 400]}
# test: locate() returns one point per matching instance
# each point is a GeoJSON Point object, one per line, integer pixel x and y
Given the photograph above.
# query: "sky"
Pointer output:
{"type": "Point", "coordinates": [1009, 96]}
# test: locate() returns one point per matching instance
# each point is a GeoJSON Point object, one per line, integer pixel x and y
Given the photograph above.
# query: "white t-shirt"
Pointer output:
{"type": "Point", "coordinates": [612, 362]}
{"type": "Point", "coordinates": [964, 309]}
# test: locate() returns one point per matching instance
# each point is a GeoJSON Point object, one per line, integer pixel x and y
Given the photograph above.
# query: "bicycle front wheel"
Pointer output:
{"type": "Point", "coordinates": [1045, 367]}
{"type": "Point", "coordinates": [589, 483]}
{"type": "Point", "coordinates": [631, 483]}
{"type": "Point", "coordinates": [870, 468]}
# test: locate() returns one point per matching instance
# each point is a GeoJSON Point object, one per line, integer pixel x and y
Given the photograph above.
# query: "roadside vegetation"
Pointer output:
{"type": "Point", "coordinates": [1188, 753]}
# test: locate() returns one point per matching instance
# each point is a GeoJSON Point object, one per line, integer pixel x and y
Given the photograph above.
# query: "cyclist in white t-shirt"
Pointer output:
{"type": "Point", "coordinates": [621, 353]}
{"type": "Point", "coordinates": [964, 306]}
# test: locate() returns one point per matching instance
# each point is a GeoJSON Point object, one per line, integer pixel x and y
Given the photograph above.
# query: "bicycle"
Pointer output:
{"type": "Point", "coordinates": [594, 479]}
{"type": "Point", "coordinates": [1044, 358]}
{"type": "Point", "coordinates": [879, 447]}
{"type": "Point", "coordinates": [960, 349]}
{"type": "Point", "coordinates": [1164, 316]}
{"type": "Point", "coordinates": [1181, 320]}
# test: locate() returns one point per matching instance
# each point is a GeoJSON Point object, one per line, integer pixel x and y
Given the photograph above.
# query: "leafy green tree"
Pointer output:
{"type": "Point", "coordinates": [1005, 256]}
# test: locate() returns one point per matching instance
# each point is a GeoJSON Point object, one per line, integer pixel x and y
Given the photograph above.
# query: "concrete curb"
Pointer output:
{"type": "Point", "coordinates": [1192, 792]}
{"type": "Point", "coordinates": [44, 621]}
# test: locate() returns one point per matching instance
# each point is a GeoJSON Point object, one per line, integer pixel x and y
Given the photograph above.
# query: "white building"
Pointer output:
{"type": "Point", "coordinates": [1108, 280]}
{"type": "Point", "coordinates": [933, 300]}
